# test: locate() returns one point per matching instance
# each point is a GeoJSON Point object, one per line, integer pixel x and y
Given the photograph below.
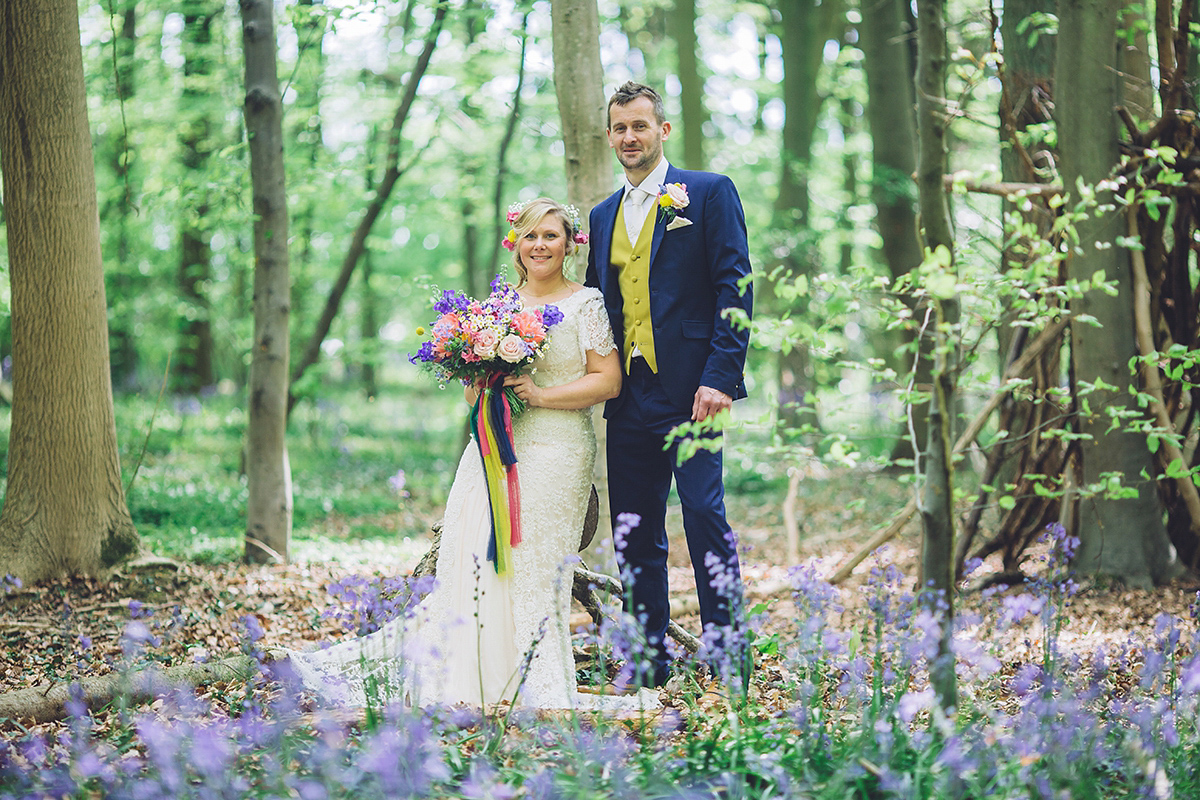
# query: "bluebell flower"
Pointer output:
{"type": "Point", "coordinates": [451, 301]}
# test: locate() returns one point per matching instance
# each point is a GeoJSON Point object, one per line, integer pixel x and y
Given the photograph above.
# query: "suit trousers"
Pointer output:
{"type": "Point", "coordinates": [639, 480]}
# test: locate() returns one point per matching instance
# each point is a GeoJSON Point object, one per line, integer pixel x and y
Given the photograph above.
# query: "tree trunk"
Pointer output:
{"type": "Point", "coordinates": [805, 27]}
{"type": "Point", "coordinates": [1026, 100]}
{"type": "Point", "coordinates": [892, 121]}
{"type": "Point", "coordinates": [123, 280]}
{"type": "Point", "coordinates": [307, 138]}
{"type": "Point", "coordinates": [499, 206]}
{"type": "Point", "coordinates": [579, 86]}
{"type": "Point", "coordinates": [369, 328]}
{"type": "Point", "coordinates": [1120, 537]}
{"type": "Point", "coordinates": [269, 509]}
{"type": "Point", "coordinates": [64, 510]}
{"type": "Point", "coordinates": [681, 23]}
{"type": "Point", "coordinates": [936, 502]}
{"type": "Point", "coordinates": [194, 366]}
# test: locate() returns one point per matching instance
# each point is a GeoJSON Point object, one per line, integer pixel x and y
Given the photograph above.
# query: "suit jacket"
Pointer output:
{"type": "Point", "coordinates": [695, 273]}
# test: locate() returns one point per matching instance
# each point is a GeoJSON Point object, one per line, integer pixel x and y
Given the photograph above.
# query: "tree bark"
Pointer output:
{"type": "Point", "coordinates": [891, 118]}
{"type": "Point", "coordinates": [1120, 537]}
{"type": "Point", "coordinates": [682, 24]}
{"type": "Point", "coordinates": [269, 475]}
{"type": "Point", "coordinates": [499, 207]}
{"type": "Point", "coordinates": [805, 27]}
{"type": "Point", "coordinates": [124, 282]}
{"type": "Point", "coordinates": [936, 499]}
{"type": "Point", "coordinates": [47, 703]}
{"type": "Point", "coordinates": [64, 509]}
{"type": "Point", "coordinates": [579, 87]}
{"type": "Point", "coordinates": [307, 141]}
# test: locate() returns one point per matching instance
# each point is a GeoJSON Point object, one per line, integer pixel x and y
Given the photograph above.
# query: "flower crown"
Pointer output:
{"type": "Point", "coordinates": [510, 240]}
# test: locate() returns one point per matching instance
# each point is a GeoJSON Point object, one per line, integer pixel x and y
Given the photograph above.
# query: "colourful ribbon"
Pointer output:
{"type": "Point", "coordinates": [491, 420]}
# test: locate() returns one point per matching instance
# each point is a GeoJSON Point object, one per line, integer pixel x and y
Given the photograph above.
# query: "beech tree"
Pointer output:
{"type": "Point", "coordinates": [198, 132]}
{"type": "Point", "coordinates": [892, 122]}
{"type": "Point", "coordinates": [936, 500]}
{"type": "Point", "coordinates": [64, 510]}
{"type": "Point", "coordinates": [1119, 519]}
{"type": "Point", "coordinates": [579, 85]}
{"type": "Point", "coordinates": [269, 510]}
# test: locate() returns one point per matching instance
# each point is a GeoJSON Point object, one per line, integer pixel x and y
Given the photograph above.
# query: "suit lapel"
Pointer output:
{"type": "Point", "coordinates": [660, 226]}
{"type": "Point", "coordinates": [608, 221]}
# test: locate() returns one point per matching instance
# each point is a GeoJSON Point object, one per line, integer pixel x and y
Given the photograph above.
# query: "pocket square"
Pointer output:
{"type": "Point", "coordinates": [678, 222]}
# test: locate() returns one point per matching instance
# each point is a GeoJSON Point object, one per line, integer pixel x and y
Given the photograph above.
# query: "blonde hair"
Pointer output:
{"type": "Point", "coordinates": [531, 214]}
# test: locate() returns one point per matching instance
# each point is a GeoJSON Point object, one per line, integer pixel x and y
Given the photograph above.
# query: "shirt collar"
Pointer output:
{"type": "Point", "coordinates": [656, 178]}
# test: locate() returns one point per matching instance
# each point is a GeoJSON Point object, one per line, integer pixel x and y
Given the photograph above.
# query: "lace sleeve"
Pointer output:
{"type": "Point", "coordinates": [595, 333]}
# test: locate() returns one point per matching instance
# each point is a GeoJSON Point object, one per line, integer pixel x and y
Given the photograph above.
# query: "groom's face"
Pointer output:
{"type": "Point", "coordinates": [636, 136]}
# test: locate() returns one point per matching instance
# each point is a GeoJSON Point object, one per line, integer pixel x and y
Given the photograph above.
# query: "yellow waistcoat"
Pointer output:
{"type": "Point", "coordinates": [632, 262]}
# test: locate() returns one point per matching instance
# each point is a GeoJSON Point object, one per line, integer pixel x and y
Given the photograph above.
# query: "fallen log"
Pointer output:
{"type": "Point", "coordinates": [48, 702]}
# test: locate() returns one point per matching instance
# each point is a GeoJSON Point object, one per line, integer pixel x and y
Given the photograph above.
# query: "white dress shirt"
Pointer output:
{"type": "Point", "coordinates": [638, 199]}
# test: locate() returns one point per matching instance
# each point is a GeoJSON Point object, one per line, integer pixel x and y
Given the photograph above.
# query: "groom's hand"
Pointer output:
{"type": "Point", "coordinates": [708, 402]}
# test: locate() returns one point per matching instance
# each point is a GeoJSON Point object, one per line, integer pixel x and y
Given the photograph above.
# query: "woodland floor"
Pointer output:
{"type": "Point", "coordinates": [196, 609]}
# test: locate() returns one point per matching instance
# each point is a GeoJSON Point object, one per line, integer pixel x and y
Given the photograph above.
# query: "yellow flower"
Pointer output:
{"type": "Point", "coordinates": [512, 235]}
{"type": "Point", "coordinates": [664, 200]}
{"type": "Point", "coordinates": [420, 330]}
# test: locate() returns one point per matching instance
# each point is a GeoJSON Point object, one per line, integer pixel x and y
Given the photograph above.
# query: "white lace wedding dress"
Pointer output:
{"type": "Point", "coordinates": [480, 637]}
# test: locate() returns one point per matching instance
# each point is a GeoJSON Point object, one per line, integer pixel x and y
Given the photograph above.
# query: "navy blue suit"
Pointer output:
{"type": "Point", "coordinates": [695, 273]}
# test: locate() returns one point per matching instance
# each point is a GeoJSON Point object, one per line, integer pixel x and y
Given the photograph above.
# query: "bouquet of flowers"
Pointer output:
{"type": "Point", "coordinates": [480, 342]}
{"type": "Point", "coordinates": [477, 341]}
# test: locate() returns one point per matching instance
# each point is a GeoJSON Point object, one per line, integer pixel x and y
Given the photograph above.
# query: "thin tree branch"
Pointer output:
{"type": "Point", "coordinates": [510, 129]}
{"type": "Point", "coordinates": [1047, 337]}
{"type": "Point", "coordinates": [391, 174]}
{"type": "Point", "coordinates": [1168, 451]}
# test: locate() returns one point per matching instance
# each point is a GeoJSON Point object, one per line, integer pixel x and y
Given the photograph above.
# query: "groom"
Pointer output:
{"type": "Point", "coordinates": [669, 267]}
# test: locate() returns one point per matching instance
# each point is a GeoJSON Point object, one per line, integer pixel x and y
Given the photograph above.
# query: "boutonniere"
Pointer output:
{"type": "Point", "coordinates": [673, 198]}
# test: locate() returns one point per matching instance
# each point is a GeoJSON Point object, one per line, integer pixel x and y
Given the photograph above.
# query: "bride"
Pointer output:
{"type": "Point", "coordinates": [479, 637]}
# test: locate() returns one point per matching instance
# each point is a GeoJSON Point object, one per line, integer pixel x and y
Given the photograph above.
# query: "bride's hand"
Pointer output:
{"type": "Point", "coordinates": [525, 388]}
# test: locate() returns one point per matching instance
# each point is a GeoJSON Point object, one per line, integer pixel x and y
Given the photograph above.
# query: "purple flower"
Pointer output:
{"type": "Point", "coordinates": [626, 522]}
{"type": "Point", "coordinates": [1028, 676]}
{"type": "Point", "coordinates": [483, 783]}
{"type": "Point", "coordinates": [1015, 608]}
{"type": "Point", "coordinates": [451, 301]}
{"type": "Point", "coordinates": [424, 353]}
{"type": "Point", "coordinates": [1189, 679]}
{"type": "Point", "coordinates": [912, 703]}
{"type": "Point", "coordinates": [397, 482]}
{"type": "Point", "coordinates": [254, 628]}
{"type": "Point", "coordinates": [551, 316]}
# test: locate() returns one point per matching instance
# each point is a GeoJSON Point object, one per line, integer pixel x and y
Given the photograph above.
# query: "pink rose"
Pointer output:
{"type": "Point", "coordinates": [677, 192]}
{"type": "Point", "coordinates": [511, 348]}
{"type": "Point", "coordinates": [484, 343]}
{"type": "Point", "coordinates": [529, 325]}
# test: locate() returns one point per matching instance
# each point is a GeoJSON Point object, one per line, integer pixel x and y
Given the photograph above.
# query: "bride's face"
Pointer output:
{"type": "Point", "coordinates": [543, 248]}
